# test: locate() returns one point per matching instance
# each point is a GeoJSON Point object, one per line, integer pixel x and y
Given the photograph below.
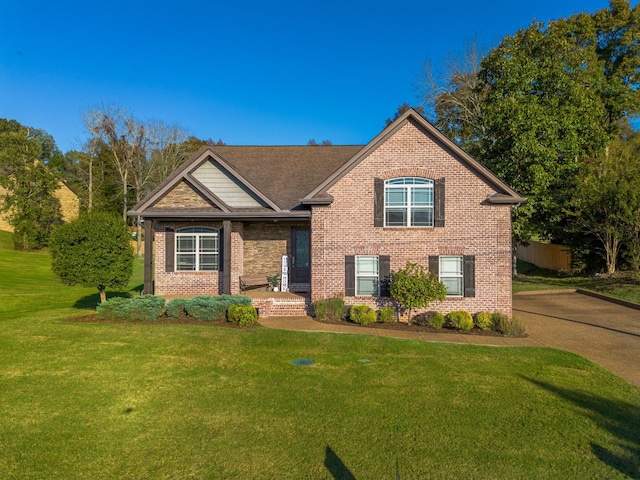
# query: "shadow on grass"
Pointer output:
{"type": "Point", "coordinates": [90, 302]}
{"type": "Point", "coordinates": [336, 467]}
{"type": "Point", "coordinates": [620, 419]}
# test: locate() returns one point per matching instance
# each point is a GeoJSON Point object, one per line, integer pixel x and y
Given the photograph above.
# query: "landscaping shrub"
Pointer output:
{"type": "Point", "coordinates": [423, 319]}
{"type": "Point", "coordinates": [328, 309]}
{"type": "Point", "coordinates": [460, 320]}
{"type": "Point", "coordinates": [213, 308]}
{"type": "Point", "coordinates": [242, 314]}
{"type": "Point", "coordinates": [511, 327]}
{"type": "Point", "coordinates": [175, 308]}
{"type": "Point", "coordinates": [362, 314]}
{"type": "Point", "coordinates": [146, 307]}
{"type": "Point", "coordinates": [483, 320]}
{"type": "Point", "coordinates": [387, 315]}
{"type": "Point", "coordinates": [437, 320]}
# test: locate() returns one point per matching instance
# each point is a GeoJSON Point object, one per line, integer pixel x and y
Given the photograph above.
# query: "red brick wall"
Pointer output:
{"type": "Point", "coordinates": [346, 226]}
{"type": "Point", "coordinates": [195, 283]}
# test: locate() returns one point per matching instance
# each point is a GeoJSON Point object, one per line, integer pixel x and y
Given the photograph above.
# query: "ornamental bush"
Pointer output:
{"type": "Point", "coordinates": [328, 309]}
{"type": "Point", "coordinates": [416, 287]}
{"type": "Point", "coordinates": [175, 308]}
{"type": "Point", "coordinates": [242, 315]}
{"type": "Point", "coordinates": [483, 320]}
{"type": "Point", "coordinates": [437, 320]}
{"type": "Point", "coordinates": [387, 315]}
{"type": "Point", "coordinates": [460, 320]}
{"type": "Point", "coordinates": [206, 308]}
{"type": "Point", "coordinates": [362, 314]}
{"type": "Point", "coordinates": [146, 307]}
{"type": "Point", "coordinates": [511, 327]}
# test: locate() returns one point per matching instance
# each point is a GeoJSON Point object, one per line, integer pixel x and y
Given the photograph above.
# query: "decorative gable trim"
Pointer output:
{"type": "Point", "coordinates": [508, 195]}
{"type": "Point", "coordinates": [184, 173]}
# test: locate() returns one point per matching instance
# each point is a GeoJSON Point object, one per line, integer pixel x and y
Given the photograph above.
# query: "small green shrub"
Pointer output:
{"type": "Point", "coordinates": [146, 307]}
{"type": "Point", "coordinates": [387, 315]}
{"type": "Point", "coordinates": [328, 309]}
{"type": "Point", "coordinates": [213, 308]}
{"type": "Point", "coordinates": [242, 314]}
{"type": "Point", "coordinates": [511, 327]}
{"type": "Point", "coordinates": [460, 320]}
{"type": "Point", "coordinates": [362, 314]}
{"type": "Point", "coordinates": [483, 320]}
{"type": "Point", "coordinates": [498, 320]}
{"type": "Point", "coordinates": [112, 309]}
{"type": "Point", "coordinates": [437, 320]}
{"type": "Point", "coordinates": [175, 308]}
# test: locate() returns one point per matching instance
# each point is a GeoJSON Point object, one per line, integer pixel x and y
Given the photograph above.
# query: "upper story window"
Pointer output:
{"type": "Point", "coordinates": [408, 202]}
{"type": "Point", "coordinates": [197, 249]}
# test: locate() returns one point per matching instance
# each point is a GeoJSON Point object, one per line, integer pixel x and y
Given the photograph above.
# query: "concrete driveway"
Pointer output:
{"type": "Point", "coordinates": [604, 332]}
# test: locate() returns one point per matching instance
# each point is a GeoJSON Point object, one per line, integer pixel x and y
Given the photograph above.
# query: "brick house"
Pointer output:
{"type": "Point", "coordinates": [344, 215]}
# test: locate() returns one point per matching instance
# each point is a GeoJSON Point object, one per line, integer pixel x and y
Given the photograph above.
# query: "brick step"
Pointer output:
{"type": "Point", "coordinates": [276, 307]}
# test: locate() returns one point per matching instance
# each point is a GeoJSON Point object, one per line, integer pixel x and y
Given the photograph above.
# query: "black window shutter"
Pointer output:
{"type": "Point", "coordinates": [469, 276]}
{"type": "Point", "coordinates": [378, 202]}
{"type": "Point", "coordinates": [169, 248]}
{"type": "Point", "coordinates": [384, 275]}
{"type": "Point", "coordinates": [350, 276]}
{"type": "Point", "coordinates": [434, 264]}
{"type": "Point", "coordinates": [438, 203]}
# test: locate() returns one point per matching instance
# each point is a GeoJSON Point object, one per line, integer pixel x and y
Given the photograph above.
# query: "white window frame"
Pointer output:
{"type": "Point", "coordinates": [408, 186]}
{"type": "Point", "coordinates": [373, 275]}
{"type": "Point", "coordinates": [457, 275]}
{"type": "Point", "coordinates": [199, 234]}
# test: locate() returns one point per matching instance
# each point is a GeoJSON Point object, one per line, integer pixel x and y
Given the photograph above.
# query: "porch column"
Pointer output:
{"type": "Point", "coordinates": [226, 256]}
{"type": "Point", "coordinates": [149, 232]}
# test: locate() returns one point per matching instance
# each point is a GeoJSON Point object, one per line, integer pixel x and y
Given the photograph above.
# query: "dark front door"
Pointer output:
{"type": "Point", "coordinates": [300, 255]}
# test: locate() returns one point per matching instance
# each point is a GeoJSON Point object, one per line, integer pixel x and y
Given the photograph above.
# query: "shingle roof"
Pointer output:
{"type": "Point", "coordinates": [286, 174]}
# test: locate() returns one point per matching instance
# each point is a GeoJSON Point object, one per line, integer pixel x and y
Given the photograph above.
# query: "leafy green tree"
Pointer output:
{"type": "Point", "coordinates": [416, 287]}
{"type": "Point", "coordinates": [93, 250]}
{"type": "Point", "coordinates": [606, 202]}
{"type": "Point", "coordinates": [29, 183]}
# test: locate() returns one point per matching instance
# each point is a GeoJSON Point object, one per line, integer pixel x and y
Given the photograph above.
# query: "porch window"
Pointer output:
{"type": "Point", "coordinates": [197, 249]}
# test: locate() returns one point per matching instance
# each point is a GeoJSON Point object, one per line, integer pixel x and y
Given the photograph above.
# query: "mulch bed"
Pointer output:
{"type": "Point", "coordinates": [414, 327]}
{"type": "Point", "coordinates": [93, 318]}
{"type": "Point", "coordinates": [397, 326]}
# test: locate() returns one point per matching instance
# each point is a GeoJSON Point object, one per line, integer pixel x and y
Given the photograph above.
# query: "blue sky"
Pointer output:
{"type": "Point", "coordinates": [249, 72]}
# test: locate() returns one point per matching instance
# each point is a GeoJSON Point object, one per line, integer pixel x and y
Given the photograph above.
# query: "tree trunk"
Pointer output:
{"type": "Point", "coordinates": [103, 293]}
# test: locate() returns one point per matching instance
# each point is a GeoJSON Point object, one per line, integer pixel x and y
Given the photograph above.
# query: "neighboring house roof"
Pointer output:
{"type": "Point", "coordinates": [277, 181]}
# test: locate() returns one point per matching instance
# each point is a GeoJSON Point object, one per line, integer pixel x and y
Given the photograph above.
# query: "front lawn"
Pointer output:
{"type": "Point", "coordinates": [625, 286]}
{"type": "Point", "coordinates": [162, 401]}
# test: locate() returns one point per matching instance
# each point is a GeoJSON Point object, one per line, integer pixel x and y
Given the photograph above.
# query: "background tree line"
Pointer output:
{"type": "Point", "coordinates": [551, 110]}
{"type": "Point", "coordinates": [121, 161]}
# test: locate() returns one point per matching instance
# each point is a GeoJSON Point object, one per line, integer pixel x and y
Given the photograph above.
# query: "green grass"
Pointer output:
{"type": "Point", "coordinates": [103, 401]}
{"type": "Point", "coordinates": [623, 286]}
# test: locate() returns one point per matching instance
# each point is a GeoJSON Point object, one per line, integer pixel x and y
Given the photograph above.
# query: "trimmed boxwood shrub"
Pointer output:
{"type": "Point", "coordinates": [175, 308]}
{"type": "Point", "coordinates": [387, 315]}
{"type": "Point", "coordinates": [328, 309]}
{"type": "Point", "coordinates": [207, 308]}
{"type": "Point", "coordinates": [362, 314]}
{"type": "Point", "coordinates": [437, 320]}
{"type": "Point", "coordinates": [146, 307]}
{"type": "Point", "coordinates": [483, 320]}
{"type": "Point", "coordinates": [242, 314]}
{"type": "Point", "coordinates": [460, 320]}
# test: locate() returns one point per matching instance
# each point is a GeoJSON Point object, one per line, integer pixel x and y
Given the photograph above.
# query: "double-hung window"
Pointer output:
{"type": "Point", "coordinates": [451, 274]}
{"type": "Point", "coordinates": [197, 249]}
{"type": "Point", "coordinates": [408, 202]}
{"type": "Point", "coordinates": [367, 282]}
